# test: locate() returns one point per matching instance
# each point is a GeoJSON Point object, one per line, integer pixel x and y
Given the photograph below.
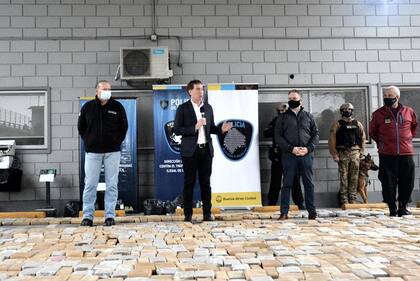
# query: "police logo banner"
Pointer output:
{"type": "Point", "coordinates": [168, 171]}
{"type": "Point", "coordinates": [235, 178]}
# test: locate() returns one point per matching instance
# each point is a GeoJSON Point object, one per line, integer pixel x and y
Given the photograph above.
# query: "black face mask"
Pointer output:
{"type": "Point", "coordinates": [389, 101]}
{"type": "Point", "coordinates": [293, 103]}
{"type": "Point", "coordinates": [347, 114]}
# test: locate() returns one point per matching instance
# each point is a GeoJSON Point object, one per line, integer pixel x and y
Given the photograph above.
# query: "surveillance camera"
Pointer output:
{"type": "Point", "coordinates": [291, 76]}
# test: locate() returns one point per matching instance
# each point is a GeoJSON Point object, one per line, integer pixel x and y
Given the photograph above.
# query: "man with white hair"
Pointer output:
{"type": "Point", "coordinates": [393, 127]}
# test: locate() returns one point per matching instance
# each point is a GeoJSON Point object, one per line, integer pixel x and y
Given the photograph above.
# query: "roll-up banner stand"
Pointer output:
{"type": "Point", "coordinates": [169, 173]}
{"type": "Point", "coordinates": [235, 179]}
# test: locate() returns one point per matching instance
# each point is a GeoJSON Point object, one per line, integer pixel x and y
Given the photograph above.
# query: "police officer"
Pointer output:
{"type": "Point", "coordinates": [274, 154]}
{"type": "Point", "coordinates": [347, 146]}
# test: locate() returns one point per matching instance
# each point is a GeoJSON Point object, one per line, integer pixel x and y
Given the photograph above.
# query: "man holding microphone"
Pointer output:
{"type": "Point", "coordinates": [194, 121]}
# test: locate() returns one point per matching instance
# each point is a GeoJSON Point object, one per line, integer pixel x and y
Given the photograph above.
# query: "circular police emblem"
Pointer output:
{"type": "Point", "coordinates": [236, 142]}
{"type": "Point", "coordinates": [173, 140]}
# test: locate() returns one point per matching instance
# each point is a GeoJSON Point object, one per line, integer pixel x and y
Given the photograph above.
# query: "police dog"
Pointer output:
{"type": "Point", "coordinates": [366, 164]}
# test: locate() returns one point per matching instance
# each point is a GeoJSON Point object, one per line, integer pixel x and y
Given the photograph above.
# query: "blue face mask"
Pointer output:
{"type": "Point", "coordinates": [105, 95]}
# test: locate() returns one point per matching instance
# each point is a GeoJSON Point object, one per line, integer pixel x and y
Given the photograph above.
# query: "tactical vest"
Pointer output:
{"type": "Point", "coordinates": [348, 134]}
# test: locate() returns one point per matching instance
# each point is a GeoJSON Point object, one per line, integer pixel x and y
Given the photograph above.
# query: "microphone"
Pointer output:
{"type": "Point", "coordinates": [203, 113]}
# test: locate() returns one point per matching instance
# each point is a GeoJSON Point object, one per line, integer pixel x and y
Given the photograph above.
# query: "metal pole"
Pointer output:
{"type": "Point", "coordinates": [48, 195]}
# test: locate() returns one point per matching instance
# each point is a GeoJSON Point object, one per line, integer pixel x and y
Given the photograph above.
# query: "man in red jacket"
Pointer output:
{"type": "Point", "coordinates": [393, 127]}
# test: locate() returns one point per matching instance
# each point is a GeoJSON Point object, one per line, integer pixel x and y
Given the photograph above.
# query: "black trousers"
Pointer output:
{"type": "Point", "coordinates": [276, 182]}
{"type": "Point", "coordinates": [396, 172]}
{"type": "Point", "coordinates": [199, 163]}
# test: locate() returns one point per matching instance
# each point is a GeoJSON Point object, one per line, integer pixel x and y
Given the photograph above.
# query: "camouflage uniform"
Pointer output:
{"type": "Point", "coordinates": [348, 167]}
{"type": "Point", "coordinates": [347, 148]}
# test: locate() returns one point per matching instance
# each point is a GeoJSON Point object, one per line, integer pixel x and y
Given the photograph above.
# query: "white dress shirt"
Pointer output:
{"type": "Point", "coordinates": [201, 134]}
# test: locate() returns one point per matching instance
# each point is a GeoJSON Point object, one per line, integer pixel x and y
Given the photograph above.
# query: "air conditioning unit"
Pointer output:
{"type": "Point", "coordinates": [144, 63]}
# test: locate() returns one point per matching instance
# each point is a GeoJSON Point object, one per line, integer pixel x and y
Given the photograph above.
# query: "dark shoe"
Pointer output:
{"type": "Point", "coordinates": [283, 217]}
{"type": "Point", "coordinates": [301, 207]}
{"type": "Point", "coordinates": [208, 218]}
{"type": "Point", "coordinates": [404, 213]}
{"type": "Point", "coordinates": [392, 209]}
{"type": "Point", "coordinates": [188, 218]}
{"type": "Point", "coordinates": [312, 216]}
{"type": "Point", "coordinates": [392, 213]}
{"type": "Point", "coordinates": [402, 210]}
{"type": "Point", "coordinates": [86, 222]}
{"type": "Point", "coordinates": [109, 222]}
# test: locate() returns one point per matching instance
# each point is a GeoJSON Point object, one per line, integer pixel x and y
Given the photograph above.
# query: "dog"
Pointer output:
{"type": "Point", "coordinates": [366, 164]}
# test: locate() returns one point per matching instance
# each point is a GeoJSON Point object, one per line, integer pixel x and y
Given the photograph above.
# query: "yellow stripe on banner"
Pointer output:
{"type": "Point", "coordinates": [87, 98]}
{"type": "Point", "coordinates": [225, 199]}
{"type": "Point", "coordinates": [214, 87]}
{"type": "Point", "coordinates": [159, 87]}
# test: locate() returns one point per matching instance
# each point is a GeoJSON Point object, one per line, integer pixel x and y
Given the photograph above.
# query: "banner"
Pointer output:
{"type": "Point", "coordinates": [235, 179]}
{"type": "Point", "coordinates": [169, 175]}
{"type": "Point", "coordinates": [127, 179]}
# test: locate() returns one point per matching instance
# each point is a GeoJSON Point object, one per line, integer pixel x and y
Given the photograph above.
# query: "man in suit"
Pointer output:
{"type": "Point", "coordinates": [194, 121]}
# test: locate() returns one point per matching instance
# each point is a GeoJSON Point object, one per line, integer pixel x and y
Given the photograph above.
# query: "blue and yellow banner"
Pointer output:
{"type": "Point", "coordinates": [169, 175]}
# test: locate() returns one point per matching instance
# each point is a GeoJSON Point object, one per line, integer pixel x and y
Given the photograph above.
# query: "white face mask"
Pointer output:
{"type": "Point", "coordinates": [105, 95]}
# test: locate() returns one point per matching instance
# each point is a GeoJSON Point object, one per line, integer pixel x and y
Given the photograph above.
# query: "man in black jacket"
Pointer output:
{"type": "Point", "coordinates": [276, 176]}
{"type": "Point", "coordinates": [194, 121]}
{"type": "Point", "coordinates": [296, 133]}
{"type": "Point", "coordinates": [102, 126]}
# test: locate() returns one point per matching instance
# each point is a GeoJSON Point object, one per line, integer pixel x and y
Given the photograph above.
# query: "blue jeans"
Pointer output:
{"type": "Point", "coordinates": [93, 164]}
{"type": "Point", "coordinates": [291, 165]}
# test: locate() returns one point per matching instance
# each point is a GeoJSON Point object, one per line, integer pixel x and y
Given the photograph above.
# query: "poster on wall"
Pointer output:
{"type": "Point", "coordinates": [127, 179]}
{"type": "Point", "coordinates": [235, 179]}
{"type": "Point", "coordinates": [169, 173]}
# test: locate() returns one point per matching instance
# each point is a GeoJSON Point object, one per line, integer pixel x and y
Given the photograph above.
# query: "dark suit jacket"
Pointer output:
{"type": "Point", "coordinates": [185, 121]}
